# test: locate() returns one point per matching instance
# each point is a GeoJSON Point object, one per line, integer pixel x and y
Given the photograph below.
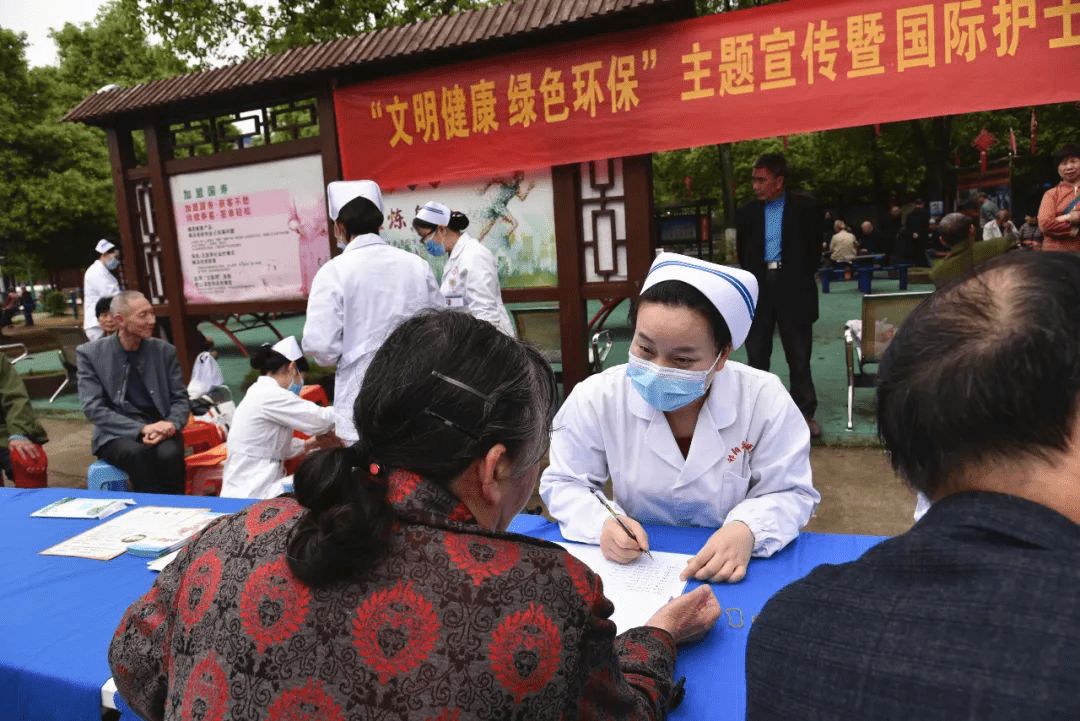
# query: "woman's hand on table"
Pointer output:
{"type": "Point", "coordinates": [690, 616]}
{"type": "Point", "coordinates": [619, 547]}
{"type": "Point", "coordinates": [724, 556]}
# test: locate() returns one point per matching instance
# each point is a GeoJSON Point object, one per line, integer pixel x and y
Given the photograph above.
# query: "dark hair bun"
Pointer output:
{"type": "Point", "coordinates": [458, 221]}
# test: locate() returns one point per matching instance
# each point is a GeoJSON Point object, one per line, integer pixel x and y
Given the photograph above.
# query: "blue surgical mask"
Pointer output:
{"type": "Point", "coordinates": [295, 387]}
{"type": "Point", "coordinates": [668, 389]}
{"type": "Point", "coordinates": [434, 248]}
{"type": "Point", "coordinates": [112, 263]}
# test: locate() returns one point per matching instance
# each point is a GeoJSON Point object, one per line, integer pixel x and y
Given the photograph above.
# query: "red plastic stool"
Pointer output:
{"type": "Point", "coordinates": [201, 436]}
{"type": "Point", "coordinates": [203, 471]}
{"type": "Point", "coordinates": [27, 476]}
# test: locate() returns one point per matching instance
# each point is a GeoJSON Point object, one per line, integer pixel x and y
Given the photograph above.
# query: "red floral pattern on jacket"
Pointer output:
{"type": "Point", "coordinates": [454, 623]}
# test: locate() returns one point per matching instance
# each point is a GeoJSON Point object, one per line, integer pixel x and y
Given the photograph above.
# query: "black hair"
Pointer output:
{"type": "Point", "coordinates": [415, 413]}
{"type": "Point", "coordinates": [267, 360]}
{"type": "Point", "coordinates": [985, 371]}
{"type": "Point", "coordinates": [418, 224]}
{"type": "Point", "coordinates": [775, 163]}
{"type": "Point", "coordinates": [680, 294]}
{"type": "Point", "coordinates": [1069, 150]}
{"type": "Point", "coordinates": [360, 216]}
{"type": "Point", "coordinates": [457, 223]}
{"type": "Point", "coordinates": [102, 305]}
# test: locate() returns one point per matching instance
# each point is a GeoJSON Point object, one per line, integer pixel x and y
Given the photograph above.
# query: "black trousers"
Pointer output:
{"type": "Point", "coordinates": [796, 335]}
{"type": "Point", "coordinates": [152, 469]}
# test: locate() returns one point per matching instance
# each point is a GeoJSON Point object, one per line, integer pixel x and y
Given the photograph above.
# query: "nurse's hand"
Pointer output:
{"type": "Point", "coordinates": [619, 547]}
{"type": "Point", "coordinates": [724, 556]}
{"type": "Point", "coordinates": [690, 616]}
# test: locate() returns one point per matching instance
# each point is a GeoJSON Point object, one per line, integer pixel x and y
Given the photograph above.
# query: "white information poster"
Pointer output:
{"type": "Point", "coordinates": [513, 215]}
{"type": "Point", "coordinates": [252, 232]}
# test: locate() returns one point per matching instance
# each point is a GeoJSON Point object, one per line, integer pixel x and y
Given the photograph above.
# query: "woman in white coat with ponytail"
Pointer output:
{"type": "Point", "coordinates": [261, 435]}
{"type": "Point", "coordinates": [470, 279]}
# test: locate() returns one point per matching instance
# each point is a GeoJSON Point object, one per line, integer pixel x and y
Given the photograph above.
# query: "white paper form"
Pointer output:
{"type": "Point", "coordinates": [111, 538]}
{"type": "Point", "coordinates": [638, 589]}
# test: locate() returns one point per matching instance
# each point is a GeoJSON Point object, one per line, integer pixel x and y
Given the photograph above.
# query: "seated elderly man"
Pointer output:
{"type": "Point", "coordinates": [974, 612]}
{"type": "Point", "coordinates": [958, 231]}
{"type": "Point", "coordinates": [131, 389]}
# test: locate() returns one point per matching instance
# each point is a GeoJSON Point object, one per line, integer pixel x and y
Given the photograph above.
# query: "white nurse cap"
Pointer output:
{"type": "Point", "coordinates": [340, 192]}
{"type": "Point", "coordinates": [732, 291]}
{"type": "Point", "coordinates": [103, 246]}
{"type": "Point", "coordinates": [289, 348]}
{"type": "Point", "coordinates": [434, 213]}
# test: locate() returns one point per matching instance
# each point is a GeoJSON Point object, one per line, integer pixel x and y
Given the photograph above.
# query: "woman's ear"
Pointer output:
{"type": "Point", "coordinates": [723, 358]}
{"type": "Point", "coordinates": [494, 468]}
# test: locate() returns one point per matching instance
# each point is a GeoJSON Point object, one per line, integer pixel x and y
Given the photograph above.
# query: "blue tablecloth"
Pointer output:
{"type": "Point", "coordinates": [57, 614]}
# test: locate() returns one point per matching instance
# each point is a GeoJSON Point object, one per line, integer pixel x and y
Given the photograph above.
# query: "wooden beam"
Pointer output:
{"type": "Point", "coordinates": [247, 156]}
{"type": "Point", "coordinates": [637, 181]}
{"type": "Point", "coordinates": [564, 180]}
{"type": "Point", "coordinates": [121, 158]}
{"type": "Point", "coordinates": [171, 272]}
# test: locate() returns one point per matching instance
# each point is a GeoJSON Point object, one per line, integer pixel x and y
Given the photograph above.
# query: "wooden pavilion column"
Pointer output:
{"type": "Point", "coordinates": [121, 158]}
{"type": "Point", "coordinates": [564, 181]}
{"type": "Point", "coordinates": [157, 152]}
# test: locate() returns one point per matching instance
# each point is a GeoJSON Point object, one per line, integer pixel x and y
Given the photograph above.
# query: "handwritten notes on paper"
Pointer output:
{"type": "Point", "coordinates": [637, 589]}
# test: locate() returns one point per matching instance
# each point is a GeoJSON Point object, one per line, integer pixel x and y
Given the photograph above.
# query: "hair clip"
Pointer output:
{"type": "Point", "coordinates": [374, 469]}
{"type": "Point", "coordinates": [488, 398]}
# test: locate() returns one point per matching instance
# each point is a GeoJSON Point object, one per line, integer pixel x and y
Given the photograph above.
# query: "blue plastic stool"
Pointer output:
{"type": "Point", "coordinates": [103, 477]}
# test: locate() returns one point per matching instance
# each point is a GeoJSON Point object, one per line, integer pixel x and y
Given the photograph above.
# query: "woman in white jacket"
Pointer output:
{"type": "Point", "coordinates": [686, 436]}
{"type": "Point", "coordinates": [470, 279]}
{"type": "Point", "coordinates": [261, 435]}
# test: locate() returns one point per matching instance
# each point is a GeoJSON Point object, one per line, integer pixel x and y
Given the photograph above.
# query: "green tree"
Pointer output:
{"type": "Point", "coordinates": [212, 32]}
{"type": "Point", "coordinates": [55, 177]}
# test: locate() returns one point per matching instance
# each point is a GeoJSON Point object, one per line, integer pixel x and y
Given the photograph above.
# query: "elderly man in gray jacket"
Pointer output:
{"type": "Point", "coordinates": [131, 389]}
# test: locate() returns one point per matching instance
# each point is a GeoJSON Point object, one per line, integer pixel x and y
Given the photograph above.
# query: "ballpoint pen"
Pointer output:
{"type": "Point", "coordinates": [609, 509]}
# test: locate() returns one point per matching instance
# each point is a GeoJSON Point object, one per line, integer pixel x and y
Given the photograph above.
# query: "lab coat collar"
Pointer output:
{"type": "Point", "coordinates": [459, 246]}
{"type": "Point", "coordinates": [363, 241]}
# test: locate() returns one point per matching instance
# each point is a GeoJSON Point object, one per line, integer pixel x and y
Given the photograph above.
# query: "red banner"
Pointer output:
{"type": "Point", "coordinates": [782, 69]}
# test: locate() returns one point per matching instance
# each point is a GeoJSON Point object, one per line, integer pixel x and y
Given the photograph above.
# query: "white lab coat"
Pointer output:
{"type": "Point", "coordinates": [356, 300]}
{"type": "Point", "coordinates": [261, 438]}
{"type": "Point", "coordinates": [98, 282]}
{"type": "Point", "coordinates": [749, 460]}
{"type": "Point", "coordinates": [471, 282]}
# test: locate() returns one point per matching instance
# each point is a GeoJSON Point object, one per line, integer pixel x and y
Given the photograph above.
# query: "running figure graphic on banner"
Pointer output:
{"type": "Point", "coordinates": [507, 189]}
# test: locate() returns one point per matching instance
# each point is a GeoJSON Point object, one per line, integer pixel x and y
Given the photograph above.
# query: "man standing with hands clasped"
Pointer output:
{"type": "Point", "coordinates": [777, 240]}
{"type": "Point", "coordinates": [131, 389]}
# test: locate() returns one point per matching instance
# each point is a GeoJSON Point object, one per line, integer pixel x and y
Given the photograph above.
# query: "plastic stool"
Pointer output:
{"type": "Point", "coordinates": [104, 477]}
{"type": "Point", "coordinates": [27, 476]}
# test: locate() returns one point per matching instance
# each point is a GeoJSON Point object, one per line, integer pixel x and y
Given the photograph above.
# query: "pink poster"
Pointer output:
{"type": "Point", "coordinates": [253, 232]}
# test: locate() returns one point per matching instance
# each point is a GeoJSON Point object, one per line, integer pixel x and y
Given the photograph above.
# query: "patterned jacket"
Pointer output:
{"type": "Point", "coordinates": [453, 623]}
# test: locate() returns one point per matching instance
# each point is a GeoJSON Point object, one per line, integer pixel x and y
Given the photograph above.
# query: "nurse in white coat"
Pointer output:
{"type": "Point", "coordinates": [99, 282]}
{"type": "Point", "coordinates": [470, 279]}
{"type": "Point", "coordinates": [360, 296]}
{"type": "Point", "coordinates": [687, 437]}
{"type": "Point", "coordinates": [261, 435]}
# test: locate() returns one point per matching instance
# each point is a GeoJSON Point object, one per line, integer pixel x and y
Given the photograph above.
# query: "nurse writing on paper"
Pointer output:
{"type": "Point", "coordinates": [686, 436]}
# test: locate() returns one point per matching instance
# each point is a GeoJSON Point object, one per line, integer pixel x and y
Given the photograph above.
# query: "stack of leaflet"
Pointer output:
{"type": "Point", "coordinates": [83, 507]}
{"type": "Point", "coordinates": [169, 539]}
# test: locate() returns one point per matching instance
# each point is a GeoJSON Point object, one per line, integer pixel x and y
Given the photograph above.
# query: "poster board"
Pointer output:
{"type": "Point", "coordinates": [512, 214]}
{"type": "Point", "coordinates": [251, 232]}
